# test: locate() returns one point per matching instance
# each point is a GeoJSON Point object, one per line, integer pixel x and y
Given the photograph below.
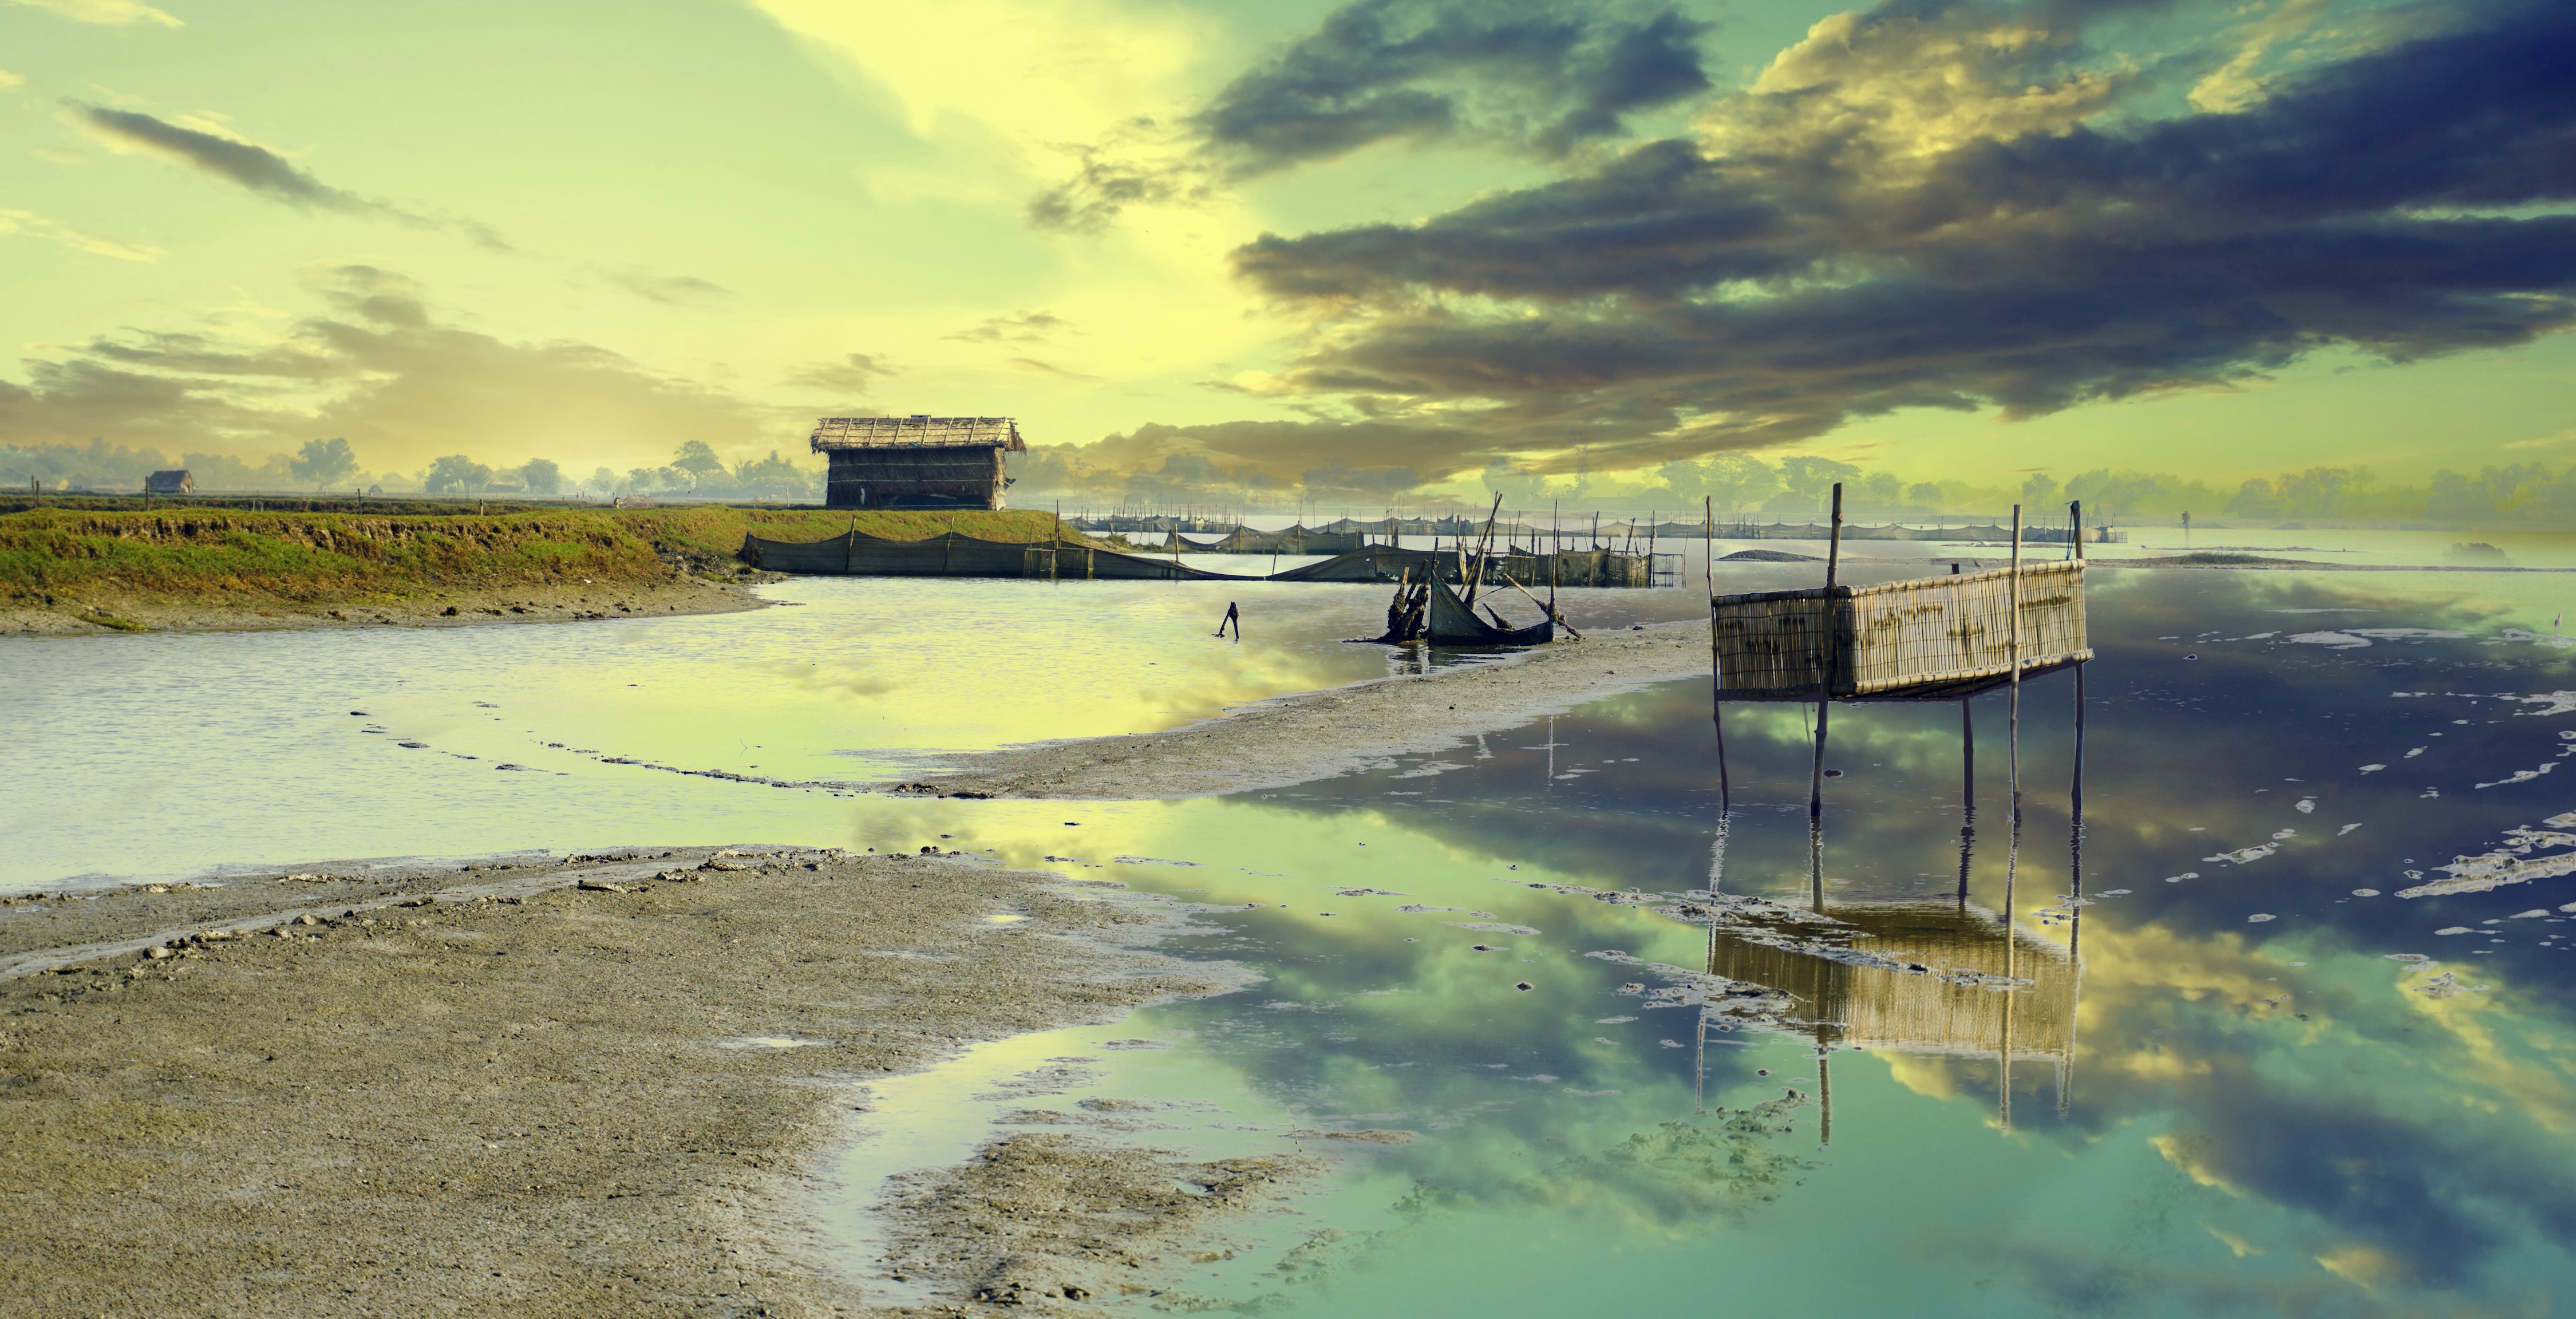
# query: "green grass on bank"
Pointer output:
{"type": "Point", "coordinates": [311, 556]}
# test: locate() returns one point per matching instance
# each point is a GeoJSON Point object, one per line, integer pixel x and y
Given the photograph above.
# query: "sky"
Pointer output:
{"type": "Point", "coordinates": [1415, 237]}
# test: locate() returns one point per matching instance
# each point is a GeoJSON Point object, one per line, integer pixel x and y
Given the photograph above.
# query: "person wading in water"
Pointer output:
{"type": "Point", "coordinates": [1234, 617]}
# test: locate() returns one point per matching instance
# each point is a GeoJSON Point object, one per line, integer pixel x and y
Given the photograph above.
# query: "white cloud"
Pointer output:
{"type": "Point", "coordinates": [1905, 88]}
{"type": "Point", "coordinates": [1033, 74]}
{"type": "Point", "coordinates": [1009, 91]}
{"type": "Point", "coordinates": [37, 226]}
{"type": "Point", "coordinates": [108, 13]}
{"type": "Point", "coordinates": [2236, 85]}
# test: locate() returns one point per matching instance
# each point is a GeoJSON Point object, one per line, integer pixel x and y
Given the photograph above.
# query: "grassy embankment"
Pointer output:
{"type": "Point", "coordinates": [105, 568]}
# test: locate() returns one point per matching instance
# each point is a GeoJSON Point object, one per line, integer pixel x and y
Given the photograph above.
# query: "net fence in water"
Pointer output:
{"type": "Point", "coordinates": [951, 554]}
{"type": "Point", "coordinates": [954, 554]}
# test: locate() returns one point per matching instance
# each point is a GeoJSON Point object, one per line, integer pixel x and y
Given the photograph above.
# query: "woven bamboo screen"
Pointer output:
{"type": "Point", "coordinates": [1917, 1012]}
{"type": "Point", "coordinates": [1926, 633]}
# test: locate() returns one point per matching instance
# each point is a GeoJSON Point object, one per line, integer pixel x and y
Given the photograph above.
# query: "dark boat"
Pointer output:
{"type": "Point", "coordinates": [1453, 624]}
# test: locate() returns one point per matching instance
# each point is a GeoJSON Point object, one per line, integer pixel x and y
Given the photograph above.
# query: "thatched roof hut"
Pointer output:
{"type": "Point", "coordinates": [918, 461]}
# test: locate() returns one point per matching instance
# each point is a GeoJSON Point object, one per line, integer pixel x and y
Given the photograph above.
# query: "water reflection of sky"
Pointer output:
{"type": "Point", "coordinates": [2265, 1113]}
{"type": "Point", "coordinates": [2260, 1116]}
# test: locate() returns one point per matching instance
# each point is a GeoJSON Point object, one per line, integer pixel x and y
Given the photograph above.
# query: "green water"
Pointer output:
{"type": "Point", "coordinates": [2205, 1112]}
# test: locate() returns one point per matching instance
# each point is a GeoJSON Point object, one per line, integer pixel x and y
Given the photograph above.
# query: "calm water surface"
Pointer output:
{"type": "Point", "coordinates": [2243, 1077]}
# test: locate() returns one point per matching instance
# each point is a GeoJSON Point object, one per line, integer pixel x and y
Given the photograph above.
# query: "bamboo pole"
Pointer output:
{"type": "Point", "coordinates": [2012, 761]}
{"type": "Point", "coordinates": [1481, 544]}
{"type": "Point", "coordinates": [1555, 544]}
{"type": "Point", "coordinates": [1824, 1090]}
{"type": "Point", "coordinates": [1548, 610]}
{"type": "Point", "coordinates": [1824, 710]}
{"type": "Point", "coordinates": [1716, 678]}
{"type": "Point", "coordinates": [2075, 790]}
{"type": "Point", "coordinates": [2012, 633]}
{"type": "Point", "coordinates": [2075, 925]}
{"type": "Point", "coordinates": [1967, 794]}
{"type": "Point", "coordinates": [2012, 845]}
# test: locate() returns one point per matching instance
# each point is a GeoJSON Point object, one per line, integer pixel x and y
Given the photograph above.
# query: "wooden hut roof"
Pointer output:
{"type": "Point", "coordinates": [918, 432]}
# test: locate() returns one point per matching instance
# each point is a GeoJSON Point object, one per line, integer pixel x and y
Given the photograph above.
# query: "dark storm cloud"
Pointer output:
{"type": "Point", "coordinates": [1905, 213]}
{"type": "Point", "coordinates": [1108, 182]}
{"type": "Point", "coordinates": [669, 290]}
{"type": "Point", "coordinates": [854, 374]}
{"type": "Point", "coordinates": [265, 172]}
{"type": "Point", "coordinates": [252, 166]}
{"type": "Point", "coordinates": [1021, 327]}
{"type": "Point", "coordinates": [1525, 75]}
{"type": "Point", "coordinates": [1549, 75]}
{"type": "Point", "coordinates": [379, 367]}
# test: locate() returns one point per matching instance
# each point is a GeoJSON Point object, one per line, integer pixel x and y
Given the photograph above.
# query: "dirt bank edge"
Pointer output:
{"type": "Point", "coordinates": [539, 1092]}
{"type": "Point", "coordinates": [96, 611]}
{"type": "Point", "coordinates": [1315, 735]}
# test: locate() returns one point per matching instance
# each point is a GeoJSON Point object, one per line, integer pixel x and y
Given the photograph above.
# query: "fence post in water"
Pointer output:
{"type": "Point", "coordinates": [1708, 551]}
{"type": "Point", "coordinates": [2012, 635]}
{"type": "Point", "coordinates": [1967, 795]}
{"type": "Point", "coordinates": [2075, 919]}
{"type": "Point", "coordinates": [1824, 709]}
{"type": "Point", "coordinates": [1716, 678]}
{"type": "Point", "coordinates": [1824, 1090]}
{"type": "Point", "coordinates": [2012, 753]}
{"type": "Point", "coordinates": [1555, 546]}
{"type": "Point", "coordinates": [2075, 792]}
{"type": "Point", "coordinates": [850, 549]}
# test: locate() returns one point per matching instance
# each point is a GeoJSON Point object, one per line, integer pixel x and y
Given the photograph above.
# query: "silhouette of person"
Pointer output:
{"type": "Point", "coordinates": [1232, 616]}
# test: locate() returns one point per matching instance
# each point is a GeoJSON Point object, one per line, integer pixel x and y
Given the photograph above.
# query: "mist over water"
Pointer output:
{"type": "Point", "coordinates": [2253, 1079]}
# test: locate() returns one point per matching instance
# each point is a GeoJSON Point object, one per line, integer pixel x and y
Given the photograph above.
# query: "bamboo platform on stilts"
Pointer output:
{"type": "Point", "coordinates": [1975, 985]}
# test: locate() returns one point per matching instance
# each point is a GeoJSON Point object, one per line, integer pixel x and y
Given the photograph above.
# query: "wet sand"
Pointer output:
{"type": "Point", "coordinates": [611, 1084]}
{"type": "Point", "coordinates": [560, 1088]}
{"type": "Point", "coordinates": [1316, 735]}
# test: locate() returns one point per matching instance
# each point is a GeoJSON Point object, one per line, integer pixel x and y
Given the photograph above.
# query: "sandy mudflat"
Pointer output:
{"type": "Point", "coordinates": [521, 1097]}
{"type": "Point", "coordinates": [1315, 735]}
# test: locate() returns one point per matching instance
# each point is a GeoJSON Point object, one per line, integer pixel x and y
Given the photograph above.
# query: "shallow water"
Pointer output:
{"type": "Point", "coordinates": [2204, 1112]}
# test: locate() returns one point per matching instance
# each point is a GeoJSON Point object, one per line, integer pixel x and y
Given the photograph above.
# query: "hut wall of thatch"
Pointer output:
{"type": "Point", "coordinates": [916, 462]}
{"type": "Point", "coordinates": [957, 477]}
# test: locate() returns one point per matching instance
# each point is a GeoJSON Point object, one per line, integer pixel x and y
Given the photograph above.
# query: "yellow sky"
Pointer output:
{"type": "Point", "coordinates": [588, 232]}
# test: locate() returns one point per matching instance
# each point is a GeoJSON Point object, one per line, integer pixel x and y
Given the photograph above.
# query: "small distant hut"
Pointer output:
{"type": "Point", "coordinates": [919, 461]}
{"type": "Point", "coordinates": [180, 482]}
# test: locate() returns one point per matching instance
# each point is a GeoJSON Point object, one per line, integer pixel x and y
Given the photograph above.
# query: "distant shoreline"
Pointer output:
{"type": "Point", "coordinates": [76, 572]}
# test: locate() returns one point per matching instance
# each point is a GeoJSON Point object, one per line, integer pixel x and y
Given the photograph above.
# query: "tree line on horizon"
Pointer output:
{"type": "Point", "coordinates": [332, 465]}
{"type": "Point", "coordinates": [1738, 484]}
{"type": "Point", "coordinates": [1799, 487]}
